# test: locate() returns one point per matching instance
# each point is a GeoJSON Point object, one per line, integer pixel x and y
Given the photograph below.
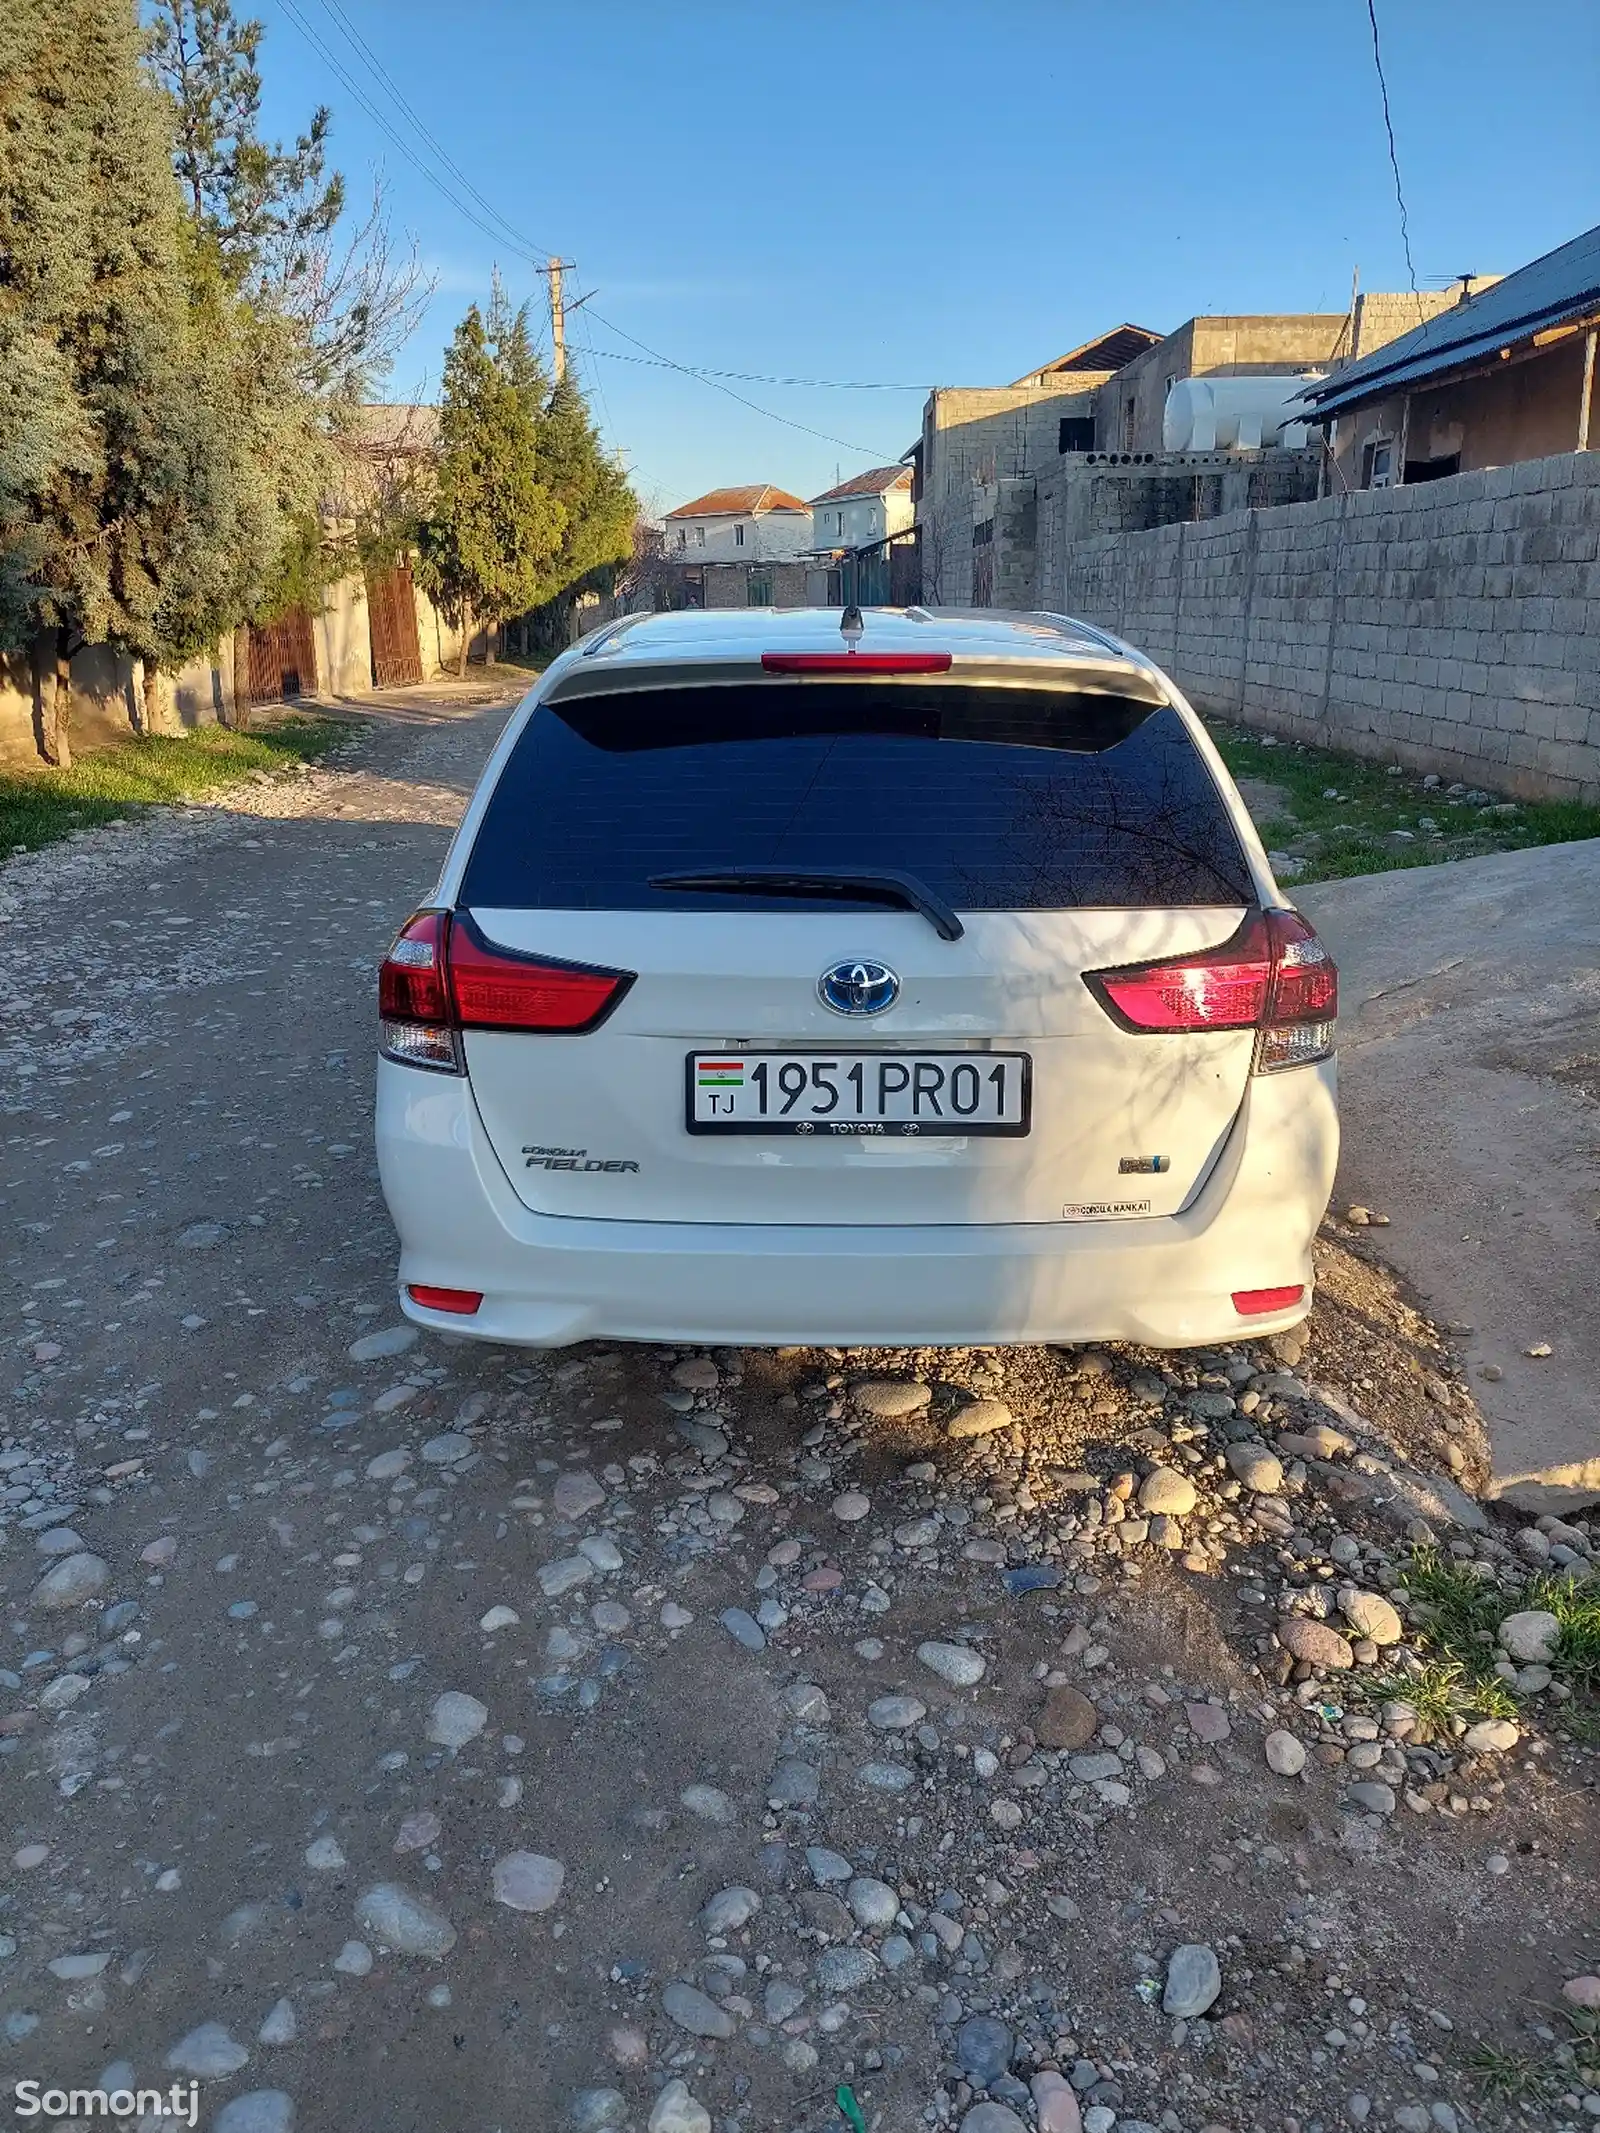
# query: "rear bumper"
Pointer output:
{"type": "Point", "coordinates": [549, 1280]}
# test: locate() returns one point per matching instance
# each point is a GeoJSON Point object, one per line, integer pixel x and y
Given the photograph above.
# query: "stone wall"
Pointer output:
{"type": "Point", "coordinates": [1454, 626]}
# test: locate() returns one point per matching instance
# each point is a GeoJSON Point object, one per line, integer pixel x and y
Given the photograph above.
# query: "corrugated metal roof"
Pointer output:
{"type": "Point", "coordinates": [737, 503]}
{"type": "Point", "coordinates": [1563, 285]}
{"type": "Point", "coordinates": [875, 482]}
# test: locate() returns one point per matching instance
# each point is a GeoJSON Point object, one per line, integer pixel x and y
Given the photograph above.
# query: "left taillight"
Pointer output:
{"type": "Point", "coordinates": [1273, 976]}
{"type": "Point", "coordinates": [442, 977]}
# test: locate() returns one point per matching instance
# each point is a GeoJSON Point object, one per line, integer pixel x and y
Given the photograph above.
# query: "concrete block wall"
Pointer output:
{"type": "Point", "coordinates": [1453, 626]}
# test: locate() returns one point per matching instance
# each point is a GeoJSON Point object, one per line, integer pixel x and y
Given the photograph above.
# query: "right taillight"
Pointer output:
{"type": "Point", "coordinates": [1273, 976]}
{"type": "Point", "coordinates": [441, 977]}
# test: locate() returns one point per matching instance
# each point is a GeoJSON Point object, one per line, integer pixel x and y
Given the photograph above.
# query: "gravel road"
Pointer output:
{"type": "Point", "coordinates": [401, 1734]}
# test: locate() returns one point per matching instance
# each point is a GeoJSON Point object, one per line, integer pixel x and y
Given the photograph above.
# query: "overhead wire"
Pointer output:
{"type": "Point", "coordinates": [1394, 158]}
{"type": "Point", "coordinates": [499, 230]}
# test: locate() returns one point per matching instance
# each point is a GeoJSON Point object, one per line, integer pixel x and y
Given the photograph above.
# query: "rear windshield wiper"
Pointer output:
{"type": "Point", "coordinates": [886, 885]}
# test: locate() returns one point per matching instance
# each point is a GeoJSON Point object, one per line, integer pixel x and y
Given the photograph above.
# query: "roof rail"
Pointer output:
{"type": "Point", "coordinates": [608, 633]}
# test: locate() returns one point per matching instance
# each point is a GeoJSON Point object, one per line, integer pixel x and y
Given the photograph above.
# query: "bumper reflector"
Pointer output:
{"type": "Point", "coordinates": [462, 1301]}
{"type": "Point", "coordinates": [1255, 1303]}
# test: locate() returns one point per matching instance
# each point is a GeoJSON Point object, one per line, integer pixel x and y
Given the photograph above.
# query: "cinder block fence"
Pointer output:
{"type": "Point", "coordinates": [1453, 626]}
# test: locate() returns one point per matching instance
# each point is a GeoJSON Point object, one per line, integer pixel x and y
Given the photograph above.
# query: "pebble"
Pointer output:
{"type": "Point", "coordinates": [499, 1618]}
{"type": "Point", "coordinates": [600, 1554]}
{"type": "Point", "coordinates": [805, 1701]}
{"type": "Point", "coordinates": [892, 1714]}
{"type": "Point", "coordinates": [257, 2111]}
{"type": "Point", "coordinates": [1530, 1636]}
{"type": "Point", "coordinates": [1255, 1467]}
{"type": "Point", "coordinates": [743, 1628]}
{"type": "Point", "coordinates": [527, 1881]}
{"type": "Point", "coordinates": [575, 1495]}
{"type": "Point", "coordinates": [729, 1910]}
{"type": "Point", "coordinates": [709, 1804]}
{"type": "Point", "coordinates": [563, 1575]}
{"type": "Point", "coordinates": [598, 2111]}
{"type": "Point", "coordinates": [280, 2026]}
{"type": "Point", "coordinates": [794, 1784]}
{"type": "Point", "coordinates": [851, 1506]}
{"type": "Point", "coordinates": [1056, 2105]}
{"type": "Point", "coordinates": [456, 1718]}
{"type": "Point", "coordinates": [845, 1969]}
{"type": "Point", "coordinates": [447, 1449]}
{"type": "Point", "coordinates": [208, 2053]}
{"type": "Point", "coordinates": [1208, 1722]}
{"type": "Point", "coordinates": [397, 1918]}
{"type": "Point", "coordinates": [956, 1664]}
{"type": "Point", "coordinates": [979, 1419]}
{"type": "Point", "coordinates": [1285, 1753]}
{"type": "Point", "coordinates": [1373, 1797]}
{"type": "Point", "coordinates": [418, 1831]}
{"type": "Point", "coordinates": [990, 2117]}
{"type": "Point", "coordinates": [1582, 1992]}
{"type": "Point", "coordinates": [354, 1959]}
{"type": "Point", "coordinates": [160, 1552]}
{"type": "Point", "coordinates": [674, 1617]}
{"type": "Point", "coordinates": [70, 1581]}
{"type": "Point", "coordinates": [1314, 1642]}
{"type": "Point", "coordinates": [1067, 1719]}
{"type": "Point", "coordinates": [887, 1777]}
{"type": "Point", "coordinates": [325, 1855]}
{"type": "Point", "coordinates": [890, 1398]}
{"type": "Point", "coordinates": [873, 1903]}
{"type": "Point", "coordinates": [1371, 1615]}
{"type": "Point", "coordinates": [696, 1373]}
{"type": "Point", "coordinates": [676, 2111]}
{"type": "Point", "coordinates": [1168, 1493]}
{"type": "Point", "coordinates": [694, 2011]}
{"type": "Point", "coordinates": [983, 2049]}
{"type": "Point", "coordinates": [825, 1866]}
{"type": "Point", "coordinates": [1491, 1736]}
{"type": "Point", "coordinates": [60, 1540]}
{"type": "Point", "coordinates": [390, 1340]}
{"type": "Point", "coordinates": [1194, 1978]}
{"type": "Point", "coordinates": [388, 1466]}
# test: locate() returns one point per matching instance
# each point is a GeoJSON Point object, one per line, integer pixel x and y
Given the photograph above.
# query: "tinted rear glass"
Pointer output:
{"type": "Point", "coordinates": [996, 799]}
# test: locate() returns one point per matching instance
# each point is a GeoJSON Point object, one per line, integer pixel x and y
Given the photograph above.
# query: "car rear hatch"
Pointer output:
{"type": "Point", "coordinates": [1072, 826]}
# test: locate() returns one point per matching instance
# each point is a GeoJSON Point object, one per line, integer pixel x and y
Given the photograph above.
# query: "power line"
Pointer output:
{"type": "Point", "coordinates": [1394, 160]}
{"type": "Point", "coordinates": [761, 377]}
{"type": "Point", "coordinates": [535, 256]}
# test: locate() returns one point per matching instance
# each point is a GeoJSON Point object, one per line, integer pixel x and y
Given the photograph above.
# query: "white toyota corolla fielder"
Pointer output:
{"type": "Point", "coordinates": [794, 981]}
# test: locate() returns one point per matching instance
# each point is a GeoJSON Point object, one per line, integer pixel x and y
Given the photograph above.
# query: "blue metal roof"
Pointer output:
{"type": "Point", "coordinates": [1563, 285]}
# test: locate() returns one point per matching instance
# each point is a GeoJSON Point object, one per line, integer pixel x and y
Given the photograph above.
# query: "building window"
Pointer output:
{"type": "Point", "coordinates": [738, 536]}
{"type": "Point", "coordinates": [1077, 434]}
{"type": "Point", "coordinates": [699, 536]}
{"type": "Point", "coordinates": [758, 589]}
{"type": "Point", "coordinates": [983, 533]}
{"type": "Point", "coordinates": [1130, 413]}
{"type": "Point", "coordinates": [838, 522]}
{"type": "Point", "coordinates": [1377, 464]}
{"type": "Point", "coordinates": [683, 537]}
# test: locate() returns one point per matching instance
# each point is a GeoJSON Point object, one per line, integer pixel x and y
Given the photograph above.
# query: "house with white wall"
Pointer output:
{"type": "Point", "coordinates": [868, 507]}
{"type": "Point", "coordinates": [755, 524]}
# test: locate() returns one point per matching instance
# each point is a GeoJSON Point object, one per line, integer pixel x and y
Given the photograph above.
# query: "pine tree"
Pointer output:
{"type": "Point", "coordinates": [494, 527]}
{"type": "Point", "coordinates": [593, 490]}
{"type": "Point", "coordinates": [110, 449]}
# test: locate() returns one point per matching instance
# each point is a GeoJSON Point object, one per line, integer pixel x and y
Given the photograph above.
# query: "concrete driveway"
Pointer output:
{"type": "Point", "coordinates": [1470, 1088]}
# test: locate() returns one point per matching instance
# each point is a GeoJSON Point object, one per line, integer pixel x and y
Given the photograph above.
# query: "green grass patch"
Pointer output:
{"type": "Point", "coordinates": [1458, 1617]}
{"type": "Point", "coordinates": [39, 807]}
{"type": "Point", "coordinates": [1343, 816]}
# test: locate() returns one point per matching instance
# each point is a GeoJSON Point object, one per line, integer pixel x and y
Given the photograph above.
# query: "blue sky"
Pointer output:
{"type": "Point", "coordinates": [921, 192]}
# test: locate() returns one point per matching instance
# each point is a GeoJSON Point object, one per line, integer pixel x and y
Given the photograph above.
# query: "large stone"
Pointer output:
{"type": "Point", "coordinates": [389, 1340]}
{"type": "Point", "coordinates": [1373, 1797]}
{"type": "Point", "coordinates": [979, 1419]}
{"type": "Point", "coordinates": [892, 1714]}
{"type": "Point", "coordinates": [1067, 1719]}
{"type": "Point", "coordinates": [1369, 1614]}
{"type": "Point", "coordinates": [1194, 1978]}
{"type": "Point", "coordinates": [456, 1718]}
{"type": "Point", "coordinates": [1314, 1642]}
{"type": "Point", "coordinates": [676, 2111]}
{"type": "Point", "coordinates": [1166, 1492]}
{"type": "Point", "coordinates": [845, 1970]}
{"type": "Point", "coordinates": [577, 1494]}
{"type": "Point", "coordinates": [1582, 1992]}
{"type": "Point", "coordinates": [257, 2111]}
{"type": "Point", "coordinates": [1529, 1636]}
{"type": "Point", "coordinates": [598, 2111]}
{"type": "Point", "coordinates": [695, 2011]}
{"type": "Point", "coordinates": [1285, 1754]}
{"type": "Point", "coordinates": [983, 2049]}
{"type": "Point", "coordinates": [71, 1581]}
{"type": "Point", "coordinates": [1055, 2103]}
{"type": "Point", "coordinates": [1255, 1467]}
{"type": "Point", "coordinates": [957, 1664]}
{"type": "Point", "coordinates": [890, 1398]}
{"type": "Point", "coordinates": [1491, 1736]}
{"type": "Point", "coordinates": [561, 1576]}
{"type": "Point", "coordinates": [209, 2053]}
{"type": "Point", "coordinates": [1409, 1495]}
{"type": "Point", "coordinates": [396, 1917]}
{"type": "Point", "coordinates": [527, 1881]}
{"type": "Point", "coordinates": [729, 1909]}
{"type": "Point", "coordinates": [990, 2117]}
{"type": "Point", "coordinates": [874, 1904]}
{"type": "Point", "coordinates": [696, 1373]}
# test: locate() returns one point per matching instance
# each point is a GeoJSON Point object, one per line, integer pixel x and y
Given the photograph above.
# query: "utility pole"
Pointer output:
{"type": "Point", "coordinates": [558, 312]}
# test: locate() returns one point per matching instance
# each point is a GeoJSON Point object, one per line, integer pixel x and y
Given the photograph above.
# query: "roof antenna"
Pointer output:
{"type": "Point", "coordinates": [851, 626]}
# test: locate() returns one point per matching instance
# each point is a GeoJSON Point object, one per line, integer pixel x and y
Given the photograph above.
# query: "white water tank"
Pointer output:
{"type": "Point", "coordinates": [1234, 414]}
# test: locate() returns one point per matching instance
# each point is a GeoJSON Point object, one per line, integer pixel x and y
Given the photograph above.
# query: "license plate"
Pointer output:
{"type": "Point", "coordinates": [897, 1094]}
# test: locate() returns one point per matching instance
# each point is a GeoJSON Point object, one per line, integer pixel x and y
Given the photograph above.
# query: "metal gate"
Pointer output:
{"type": "Point", "coordinates": [392, 615]}
{"type": "Point", "coordinates": [283, 658]}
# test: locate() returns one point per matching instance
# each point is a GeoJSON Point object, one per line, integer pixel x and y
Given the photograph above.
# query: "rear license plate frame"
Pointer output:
{"type": "Point", "coordinates": [824, 1128]}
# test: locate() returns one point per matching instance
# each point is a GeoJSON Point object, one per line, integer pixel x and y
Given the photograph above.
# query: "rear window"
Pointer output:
{"type": "Point", "coordinates": [996, 799]}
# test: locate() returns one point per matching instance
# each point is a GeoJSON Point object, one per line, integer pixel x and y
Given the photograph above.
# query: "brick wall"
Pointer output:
{"type": "Point", "coordinates": [1453, 626]}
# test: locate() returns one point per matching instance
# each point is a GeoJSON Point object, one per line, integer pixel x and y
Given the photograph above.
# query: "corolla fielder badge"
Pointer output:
{"type": "Point", "coordinates": [858, 987]}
